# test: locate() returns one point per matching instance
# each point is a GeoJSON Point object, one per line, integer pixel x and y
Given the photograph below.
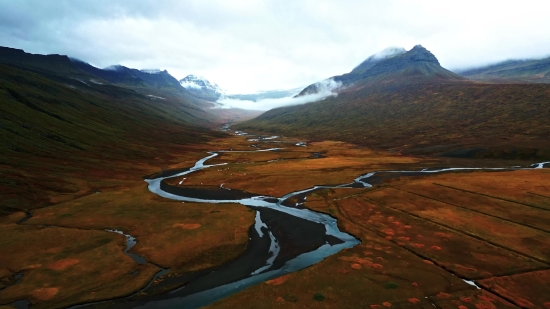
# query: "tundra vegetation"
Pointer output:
{"type": "Point", "coordinates": [74, 153]}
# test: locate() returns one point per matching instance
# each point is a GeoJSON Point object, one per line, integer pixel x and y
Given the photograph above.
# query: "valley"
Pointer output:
{"type": "Point", "coordinates": [413, 230]}
{"type": "Point", "coordinates": [406, 186]}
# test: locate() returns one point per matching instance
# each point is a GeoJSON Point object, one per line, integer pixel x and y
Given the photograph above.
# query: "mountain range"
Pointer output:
{"type": "Point", "coordinates": [530, 71]}
{"type": "Point", "coordinates": [81, 139]}
{"type": "Point", "coordinates": [203, 88]}
{"type": "Point", "coordinates": [192, 88]}
{"type": "Point", "coordinates": [68, 115]}
{"type": "Point", "coordinates": [60, 117]}
{"type": "Point", "coordinates": [118, 74]}
{"type": "Point", "coordinates": [392, 63]}
{"type": "Point", "coordinates": [407, 102]}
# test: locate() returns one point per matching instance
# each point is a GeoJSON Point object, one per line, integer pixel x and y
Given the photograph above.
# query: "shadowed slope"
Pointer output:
{"type": "Point", "coordinates": [532, 71]}
{"type": "Point", "coordinates": [56, 128]}
{"type": "Point", "coordinates": [132, 77]}
{"type": "Point", "coordinates": [457, 119]}
{"type": "Point", "coordinates": [393, 63]}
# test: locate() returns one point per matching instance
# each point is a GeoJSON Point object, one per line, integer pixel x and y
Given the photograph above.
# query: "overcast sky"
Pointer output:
{"type": "Point", "coordinates": [246, 46]}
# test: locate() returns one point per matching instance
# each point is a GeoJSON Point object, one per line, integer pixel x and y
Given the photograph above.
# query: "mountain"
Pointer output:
{"type": "Point", "coordinates": [262, 95]}
{"type": "Point", "coordinates": [157, 84]}
{"type": "Point", "coordinates": [121, 75]}
{"type": "Point", "coordinates": [374, 59]}
{"type": "Point", "coordinates": [59, 124]}
{"type": "Point", "coordinates": [201, 87]}
{"type": "Point", "coordinates": [408, 103]}
{"type": "Point", "coordinates": [533, 71]}
{"type": "Point", "coordinates": [37, 63]}
{"type": "Point", "coordinates": [392, 63]}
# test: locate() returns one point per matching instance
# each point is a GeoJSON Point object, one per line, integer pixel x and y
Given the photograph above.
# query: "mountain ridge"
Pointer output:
{"type": "Point", "coordinates": [372, 60]}
{"type": "Point", "coordinates": [523, 70]}
{"type": "Point", "coordinates": [409, 103]}
{"type": "Point", "coordinates": [60, 121]}
{"type": "Point", "coordinates": [202, 87]}
{"type": "Point", "coordinates": [118, 74]}
{"type": "Point", "coordinates": [418, 62]}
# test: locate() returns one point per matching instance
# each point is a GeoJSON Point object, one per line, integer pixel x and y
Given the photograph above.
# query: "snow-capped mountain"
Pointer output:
{"type": "Point", "coordinates": [201, 87]}
{"type": "Point", "coordinates": [393, 62]}
{"type": "Point", "coordinates": [387, 53]}
{"type": "Point", "coordinates": [152, 71]}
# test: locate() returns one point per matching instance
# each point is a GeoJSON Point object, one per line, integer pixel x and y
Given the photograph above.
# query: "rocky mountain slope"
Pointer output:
{"type": "Point", "coordinates": [409, 103]}
{"type": "Point", "coordinates": [532, 71]}
{"type": "Point", "coordinates": [58, 122]}
{"type": "Point", "coordinates": [202, 87]}
{"type": "Point", "coordinates": [417, 63]}
{"type": "Point", "coordinates": [118, 74]}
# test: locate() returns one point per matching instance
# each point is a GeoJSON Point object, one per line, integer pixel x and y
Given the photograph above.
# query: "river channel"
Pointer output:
{"type": "Point", "coordinates": [285, 237]}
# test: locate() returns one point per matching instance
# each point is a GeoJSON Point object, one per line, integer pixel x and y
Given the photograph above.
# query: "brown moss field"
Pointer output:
{"type": "Point", "coordinates": [63, 261]}
{"type": "Point", "coordinates": [294, 169]}
{"type": "Point", "coordinates": [525, 288]}
{"type": "Point", "coordinates": [421, 233]}
{"type": "Point", "coordinates": [171, 234]}
{"type": "Point", "coordinates": [421, 236]}
{"type": "Point", "coordinates": [66, 257]}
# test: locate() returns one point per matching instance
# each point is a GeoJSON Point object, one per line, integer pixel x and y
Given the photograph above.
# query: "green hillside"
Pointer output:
{"type": "Point", "coordinates": [57, 128]}
{"type": "Point", "coordinates": [449, 118]}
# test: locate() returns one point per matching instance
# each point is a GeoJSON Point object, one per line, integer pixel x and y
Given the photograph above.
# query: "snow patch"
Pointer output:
{"type": "Point", "coordinates": [115, 67]}
{"type": "Point", "coordinates": [155, 97]}
{"type": "Point", "coordinates": [200, 82]}
{"type": "Point", "coordinates": [152, 71]}
{"type": "Point", "coordinates": [389, 52]}
{"type": "Point", "coordinates": [190, 85]}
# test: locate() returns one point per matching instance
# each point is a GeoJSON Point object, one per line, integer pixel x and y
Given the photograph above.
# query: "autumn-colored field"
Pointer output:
{"type": "Point", "coordinates": [64, 255]}
{"type": "Point", "coordinates": [421, 236]}
{"type": "Point", "coordinates": [292, 168]}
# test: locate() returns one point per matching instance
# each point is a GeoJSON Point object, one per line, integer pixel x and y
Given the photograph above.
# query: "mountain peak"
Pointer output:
{"type": "Point", "coordinates": [394, 63]}
{"type": "Point", "coordinates": [374, 59]}
{"type": "Point", "coordinates": [115, 67]}
{"type": "Point", "coordinates": [418, 47]}
{"type": "Point", "coordinates": [420, 54]}
{"type": "Point", "coordinates": [201, 87]}
{"type": "Point", "coordinates": [388, 52]}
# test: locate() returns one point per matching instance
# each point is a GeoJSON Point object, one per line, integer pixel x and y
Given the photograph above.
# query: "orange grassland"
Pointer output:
{"type": "Point", "coordinates": [66, 257]}
{"type": "Point", "coordinates": [420, 236]}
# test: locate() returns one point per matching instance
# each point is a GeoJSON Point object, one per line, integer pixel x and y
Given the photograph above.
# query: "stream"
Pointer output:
{"type": "Point", "coordinates": [285, 237]}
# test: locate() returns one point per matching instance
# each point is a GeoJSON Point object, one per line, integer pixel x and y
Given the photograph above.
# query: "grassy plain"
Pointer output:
{"type": "Point", "coordinates": [65, 256]}
{"type": "Point", "coordinates": [293, 168]}
{"type": "Point", "coordinates": [421, 237]}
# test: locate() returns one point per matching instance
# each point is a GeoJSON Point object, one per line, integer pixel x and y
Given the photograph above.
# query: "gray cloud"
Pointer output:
{"type": "Point", "coordinates": [259, 45]}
